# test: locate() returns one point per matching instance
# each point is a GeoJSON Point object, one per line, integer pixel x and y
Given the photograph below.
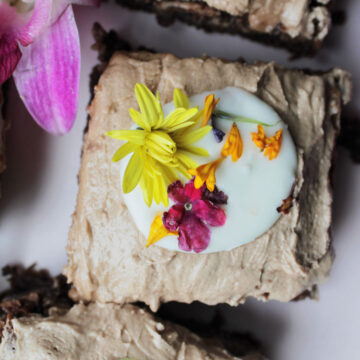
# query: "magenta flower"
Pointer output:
{"type": "Point", "coordinates": [39, 45]}
{"type": "Point", "coordinates": [192, 215]}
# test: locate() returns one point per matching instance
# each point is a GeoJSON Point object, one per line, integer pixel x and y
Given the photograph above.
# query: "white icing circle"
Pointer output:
{"type": "Point", "coordinates": [255, 185]}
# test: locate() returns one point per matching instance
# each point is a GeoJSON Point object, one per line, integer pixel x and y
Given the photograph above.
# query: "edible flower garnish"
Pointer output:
{"type": "Point", "coordinates": [218, 133]}
{"type": "Point", "coordinates": [39, 45]}
{"type": "Point", "coordinates": [271, 145]}
{"type": "Point", "coordinates": [209, 108]}
{"type": "Point", "coordinates": [158, 231]}
{"type": "Point", "coordinates": [233, 145]}
{"type": "Point", "coordinates": [206, 174]}
{"type": "Point", "coordinates": [259, 138]}
{"type": "Point", "coordinates": [160, 145]}
{"type": "Point", "coordinates": [191, 216]}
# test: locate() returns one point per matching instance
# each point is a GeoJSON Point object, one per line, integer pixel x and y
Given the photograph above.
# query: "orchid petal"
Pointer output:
{"type": "Point", "coordinates": [9, 57]}
{"type": "Point", "coordinates": [47, 77]}
{"type": "Point", "coordinates": [11, 20]}
{"type": "Point", "coordinates": [86, 2]}
{"type": "Point", "coordinates": [40, 19]}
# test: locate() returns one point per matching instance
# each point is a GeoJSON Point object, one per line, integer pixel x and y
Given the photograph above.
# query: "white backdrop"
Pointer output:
{"type": "Point", "coordinates": [40, 187]}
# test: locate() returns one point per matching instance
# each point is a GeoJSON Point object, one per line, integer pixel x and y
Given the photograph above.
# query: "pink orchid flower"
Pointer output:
{"type": "Point", "coordinates": [39, 45]}
{"type": "Point", "coordinates": [192, 215]}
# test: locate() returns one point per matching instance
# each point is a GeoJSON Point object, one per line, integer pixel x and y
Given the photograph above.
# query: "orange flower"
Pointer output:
{"type": "Point", "coordinates": [209, 108]}
{"type": "Point", "coordinates": [206, 173]}
{"type": "Point", "coordinates": [158, 231]}
{"type": "Point", "coordinates": [233, 144]}
{"type": "Point", "coordinates": [259, 138]}
{"type": "Point", "coordinates": [273, 145]}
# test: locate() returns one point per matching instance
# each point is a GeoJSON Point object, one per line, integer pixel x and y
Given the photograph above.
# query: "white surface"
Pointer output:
{"type": "Point", "coordinates": [40, 188]}
{"type": "Point", "coordinates": [255, 185]}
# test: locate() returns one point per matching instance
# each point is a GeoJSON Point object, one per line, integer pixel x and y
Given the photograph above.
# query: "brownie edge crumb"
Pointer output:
{"type": "Point", "coordinates": [31, 292]}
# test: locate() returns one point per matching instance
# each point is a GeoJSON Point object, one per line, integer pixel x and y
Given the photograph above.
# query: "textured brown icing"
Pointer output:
{"type": "Point", "coordinates": [293, 17]}
{"type": "Point", "coordinates": [108, 332]}
{"type": "Point", "coordinates": [108, 261]}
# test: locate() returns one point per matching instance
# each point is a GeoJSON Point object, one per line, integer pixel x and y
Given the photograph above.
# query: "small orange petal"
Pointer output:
{"type": "Point", "coordinates": [198, 182]}
{"type": "Point", "coordinates": [206, 173]}
{"type": "Point", "coordinates": [209, 107]}
{"type": "Point", "coordinates": [158, 231]}
{"type": "Point", "coordinates": [233, 145]}
{"type": "Point", "coordinates": [259, 138]}
{"type": "Point", "coordinates": [273, 145]}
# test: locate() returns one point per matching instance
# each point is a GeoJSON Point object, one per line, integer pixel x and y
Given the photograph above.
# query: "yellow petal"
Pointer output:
{"type": "Point", "coordinates": [133, 136]}
{"type": "Point", "coordinates": [180, 99]}
{"type": "Point", "coordinates": [124, 150]}
{"type": "Point", "coordinates": [146, 184]}
{"type": "Point", "coordinates": [193, 136]}
{"type": "Point", "coordinates": [160, 191]}
{"type": "Point", "coordinates": [137, 118]}
{"type": "Point", "coordinates": [183, 125]}
{"type": "Point", "coordinates": [188, 162]}
{"type": "Point", "coordinates": [163, 140]}
{"type": "Point", "coordinates": [195, 150]}
{"type": "Point", "coordinates": [179, 116]}
{"type": "Point", "coordinates": [150, 106]}
{"type": "Point", "coordinates": [158, 231]}
{"type": "Point", "coordinates": [133, 171]}
{"type": "Point", "coordinates": [168, 173]}
{"type": "Point", "coordinates": [182, 169]}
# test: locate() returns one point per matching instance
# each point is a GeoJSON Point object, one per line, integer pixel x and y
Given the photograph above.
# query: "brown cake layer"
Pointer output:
{"type": "Point", "coordinates": [107, 257]}
{"type": "Point", "coordinates": [298, 25]}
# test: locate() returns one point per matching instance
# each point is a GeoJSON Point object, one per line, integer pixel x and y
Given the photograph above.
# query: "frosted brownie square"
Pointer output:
{"type": "Point", "coordinates": [38, 321]}
{"type": "Point", "coordinates": [298, 25]}
{"type": "Point", "coordinates": [108, 259]}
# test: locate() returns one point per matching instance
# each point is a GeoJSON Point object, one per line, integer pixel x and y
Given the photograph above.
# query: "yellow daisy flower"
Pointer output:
{"type": "Point", "coordinates": [161, 146]}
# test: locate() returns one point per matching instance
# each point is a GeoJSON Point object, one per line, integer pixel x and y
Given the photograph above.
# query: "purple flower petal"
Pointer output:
{"type": "Point", "coordinates": [47, 77]}
{"type": "Point", "coordinates": [193, 234]}
{"type": "Point", "coordinates": [9, 57]}
{"type": "Point", "coordinates": [217, 196]}
{"type": "Point", "coordinates": [211, 214]}
{"type": "Point", "coordinates": [176, 192]}
{"type": "Point", "coordinates": [173, 217]}
{"type": "Point", "coordinates": [191, 192]}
